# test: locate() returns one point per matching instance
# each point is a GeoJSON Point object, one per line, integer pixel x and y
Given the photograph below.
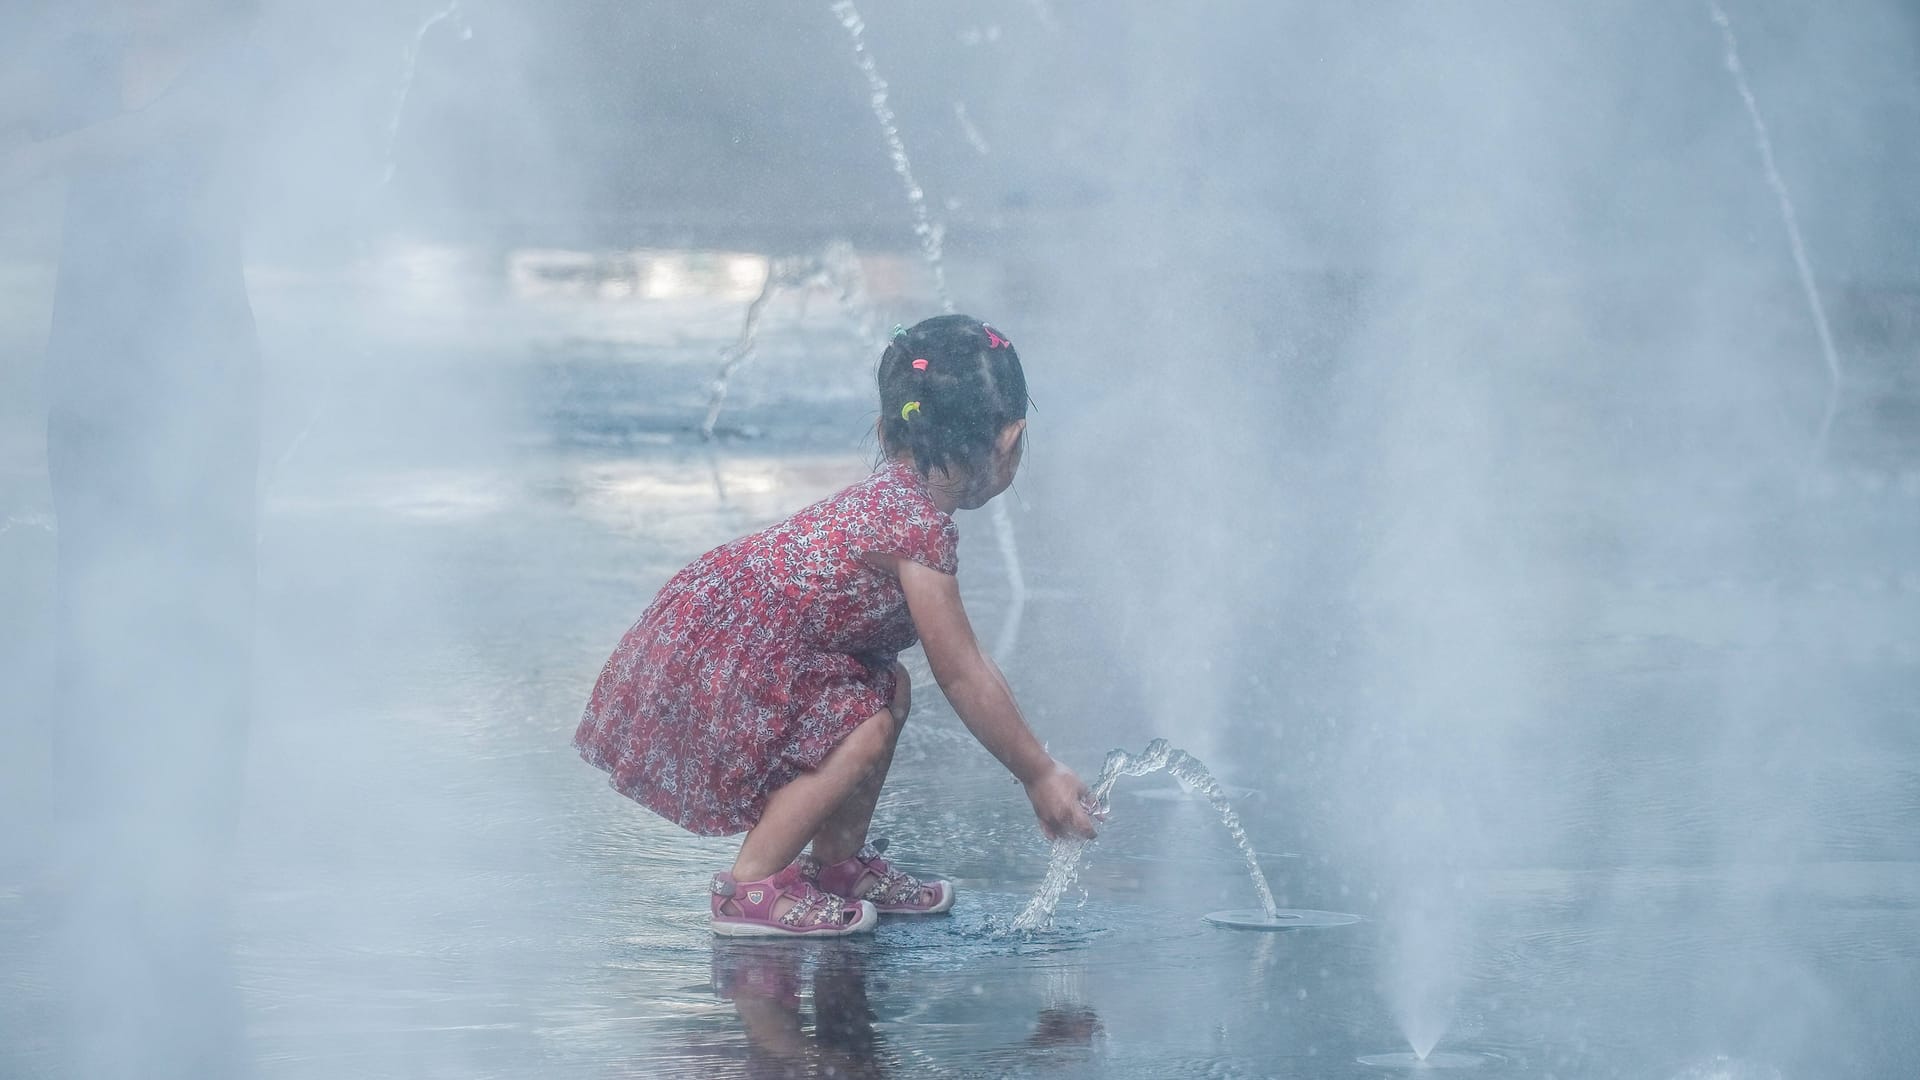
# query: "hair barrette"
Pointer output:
{"type": "Point", "coordinates": [907, 410]}
{"type": "Point", "coordinates": [994, 340]}
{"type": "Point", "coordinates": [899, 331]}
{"type": "Point", "coordinates": [920, 364]}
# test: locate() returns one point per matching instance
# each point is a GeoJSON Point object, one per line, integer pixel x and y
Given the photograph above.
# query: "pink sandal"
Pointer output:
{"type": "Point", "coordinates": [890, 892]}
{"type": "Point", "coordinates": [813, 914]}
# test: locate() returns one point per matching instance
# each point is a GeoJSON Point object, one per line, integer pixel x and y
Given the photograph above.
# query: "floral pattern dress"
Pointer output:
{"type": "Point", "coordinates": [754, 662]}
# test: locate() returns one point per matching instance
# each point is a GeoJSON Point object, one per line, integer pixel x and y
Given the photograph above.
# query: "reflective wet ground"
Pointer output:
{"type": "Point", "coordinates": [435, 886]}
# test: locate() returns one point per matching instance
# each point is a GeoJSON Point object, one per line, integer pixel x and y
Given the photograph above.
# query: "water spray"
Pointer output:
{"type": "Point", "coordinates": [409, 68]}
{"type": "Point", "coordinates": [932, 238]}
{"type": "Point", "coordinates": [1064, 861]}
{"type": "Point", "coordinates": [837, 268]}
{"type": "Point", "coordinates": [930, 234]}
{"type": "Point", "coordinates": [1792, 223]}
{"type": "Point", "coordinates": [1417, 1062]}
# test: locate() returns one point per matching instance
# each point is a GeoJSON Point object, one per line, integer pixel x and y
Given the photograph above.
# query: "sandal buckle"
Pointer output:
{"type": "Point", "coordinates": [722, 885]}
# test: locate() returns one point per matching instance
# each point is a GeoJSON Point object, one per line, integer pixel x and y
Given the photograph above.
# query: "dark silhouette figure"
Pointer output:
{"type": "Point", "coordinates": [152, 445]}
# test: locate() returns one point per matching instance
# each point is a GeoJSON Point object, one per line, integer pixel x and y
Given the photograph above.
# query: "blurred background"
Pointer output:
{"type": "Point", "coordinates": [1485, 433]}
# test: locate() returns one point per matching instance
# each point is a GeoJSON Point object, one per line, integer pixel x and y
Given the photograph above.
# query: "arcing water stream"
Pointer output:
{"type": "Point", "coordinates": [1063, 868]}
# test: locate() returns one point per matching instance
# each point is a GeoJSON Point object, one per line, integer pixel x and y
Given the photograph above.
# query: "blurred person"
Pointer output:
{"type": "Point", "coordinates": [141, 110]}
{"type": "Point", "coordinates": [760, 692]}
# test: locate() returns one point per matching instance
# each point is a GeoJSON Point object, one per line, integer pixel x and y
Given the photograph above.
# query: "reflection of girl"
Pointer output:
{"type": "Point", "coordinates": [765, 985]}
{"type": "Point", "coordinates": [760, 691]}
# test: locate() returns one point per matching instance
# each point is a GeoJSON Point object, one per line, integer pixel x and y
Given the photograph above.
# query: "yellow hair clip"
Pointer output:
{"type": "Point", "coordinates": [908, 409]}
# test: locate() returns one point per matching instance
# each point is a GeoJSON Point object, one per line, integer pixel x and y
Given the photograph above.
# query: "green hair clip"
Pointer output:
{"type": "Point", "coordinates": [899, 331]}
{"type": "Point", "coordinates": [909, 409]}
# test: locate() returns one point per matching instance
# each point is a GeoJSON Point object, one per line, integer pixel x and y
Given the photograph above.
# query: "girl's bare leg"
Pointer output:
{"type": "Point", "coordinates": [796, 812]}
{"type": "Point", "coordinates": [845, 830]}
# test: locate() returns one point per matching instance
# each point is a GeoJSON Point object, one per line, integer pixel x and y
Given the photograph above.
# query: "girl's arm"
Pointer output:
{"type": "Point", "coordinates": [979, 693]}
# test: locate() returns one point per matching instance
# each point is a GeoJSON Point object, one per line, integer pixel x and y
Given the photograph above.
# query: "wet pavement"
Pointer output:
{"type": "Point", "coordinates": [435, 886]}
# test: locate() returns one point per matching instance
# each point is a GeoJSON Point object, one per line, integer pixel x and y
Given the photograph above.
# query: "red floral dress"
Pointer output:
{"type": "Point", "coordinates": [758, 659]}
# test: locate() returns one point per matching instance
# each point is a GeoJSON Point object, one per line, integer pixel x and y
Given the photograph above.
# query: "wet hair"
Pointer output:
{"type": "Point", "coordinates": [948, 387]}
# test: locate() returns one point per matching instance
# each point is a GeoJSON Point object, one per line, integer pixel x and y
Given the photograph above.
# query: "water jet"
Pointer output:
{"type": "Point", "coordinates": [1063, 867]}
{"type": "Point", "coordinates": [1411, 1061]}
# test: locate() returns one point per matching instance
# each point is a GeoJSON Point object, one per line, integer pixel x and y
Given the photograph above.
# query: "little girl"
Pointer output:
{"type": "Point", "coordinates": [761, 692]}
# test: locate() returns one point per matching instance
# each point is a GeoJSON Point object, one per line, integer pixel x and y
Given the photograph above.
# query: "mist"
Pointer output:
{"type": "Point", "coordinates": [1483, 433]}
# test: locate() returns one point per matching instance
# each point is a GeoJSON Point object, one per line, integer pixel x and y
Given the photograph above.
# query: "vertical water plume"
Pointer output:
{"type": "Point", "coordinates": [931, 237]}
{"type": "Point", "coordinates": [1764, 143]}
{"type": "Point", "coordinates": [925, 228]}
{"type": "Point", "coordinates": [836, 268]}
{"type": "Point", "coordinates": [409, 68]}
{"type": "Point", "coordinates": [970, 129]}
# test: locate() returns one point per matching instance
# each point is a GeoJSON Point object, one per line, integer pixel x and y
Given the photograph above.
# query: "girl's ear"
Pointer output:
{"type": "Point", "coordinates": [1010, 435]}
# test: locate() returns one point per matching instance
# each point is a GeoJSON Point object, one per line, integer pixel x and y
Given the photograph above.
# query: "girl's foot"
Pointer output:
{"type": "Point", "coordinates": [785, 905]}
{"type": "Point", "coordinates": [868, 877]}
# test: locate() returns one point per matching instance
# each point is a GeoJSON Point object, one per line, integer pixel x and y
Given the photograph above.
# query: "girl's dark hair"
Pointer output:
{"type": "Point", "coordinates": [968, 389]}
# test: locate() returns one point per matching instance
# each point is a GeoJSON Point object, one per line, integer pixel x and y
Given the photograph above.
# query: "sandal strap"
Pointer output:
{"type": "Point", "coordinates": [890, 887]}
{"type": "Point", "coordinates": [893, 887]}
{"type": "Point", "coordinates": [811, 907]}
{"type": "Point", "coordinates": [814, 908]}
{"type": "Point", "coordinates": [809, 867]}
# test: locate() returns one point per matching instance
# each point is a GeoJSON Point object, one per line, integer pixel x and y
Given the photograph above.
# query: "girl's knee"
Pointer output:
{"type": "Point", "coordinates": [902, 702]}
{"type": "Point", "coordinates": [869, 743]}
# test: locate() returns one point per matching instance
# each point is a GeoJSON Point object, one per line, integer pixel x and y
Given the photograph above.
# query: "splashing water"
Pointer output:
{"type": "Point", "coordinates": [1063, 870]}
{"type": "Point", "coordinates": [1721, 1067]}
{"type": "Point", "coordinates": [1063, 864]}
{"type": "Point", "coordinates": [1044, 14]}
{"type": "Point", "coordinates": [1426, 935]}
{"type": "Point", "coordinates": [1445, 1059]}
{"type": "Point", "coordinates": [1423, 1043]}
{"type": "Point", "coordinates": [1016, 581]}
{"type": "Point", "coordinates": [924, 227]}
{"type": "Point", "coordinates": [410, 66]}
{"type": "Point", "coordinates": [1788, 218]}
{"type": "Point", "coordinates": [835, 268]}
{"type": "Point", "coordinates": [42, 522]}
{"type": "Point", "coordinates": [931, 237]}
{"type": "Point", "coordinates": [971, 130]}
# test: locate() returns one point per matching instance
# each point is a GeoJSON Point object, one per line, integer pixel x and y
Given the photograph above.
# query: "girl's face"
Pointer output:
{"type": "Point", "coordinates": [1007, 452]}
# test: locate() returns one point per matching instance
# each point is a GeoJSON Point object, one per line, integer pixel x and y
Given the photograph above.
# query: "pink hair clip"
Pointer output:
{"type": "Point", "coordinates": [920, 364]}
{"type": "Point", "coordinates": [994, 340]}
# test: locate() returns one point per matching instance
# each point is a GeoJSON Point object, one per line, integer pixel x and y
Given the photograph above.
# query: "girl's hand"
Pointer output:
{"type": "Point", "coordinates": [1060, 801]}
{"type": "Point", "coordinates": [979, 693]}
